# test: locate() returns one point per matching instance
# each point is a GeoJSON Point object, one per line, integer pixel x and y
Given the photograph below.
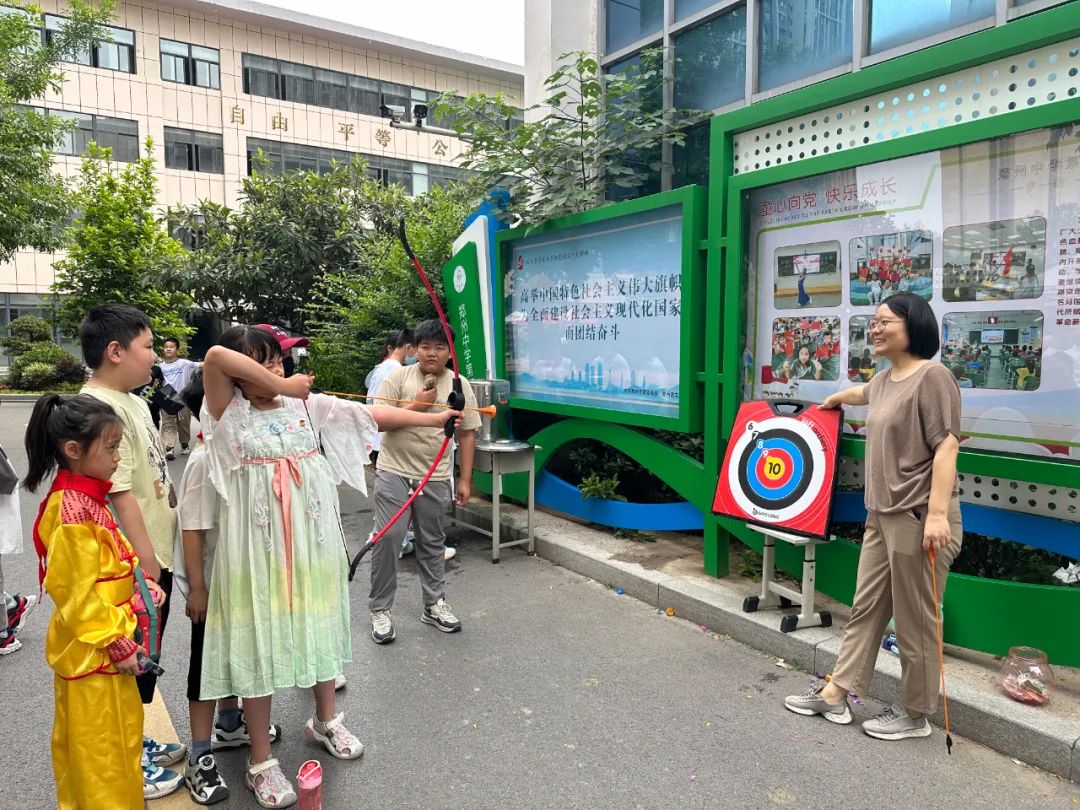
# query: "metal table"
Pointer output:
{"type": "Point", "coordinates": [504, 457]}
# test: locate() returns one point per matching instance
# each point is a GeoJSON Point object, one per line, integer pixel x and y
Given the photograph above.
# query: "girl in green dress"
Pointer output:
{"type": "Point", "coordinates": [278, 610]}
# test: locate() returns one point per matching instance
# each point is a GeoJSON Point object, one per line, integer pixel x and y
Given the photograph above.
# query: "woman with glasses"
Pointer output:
{"type": "Point", "coordinates": [912, 430]}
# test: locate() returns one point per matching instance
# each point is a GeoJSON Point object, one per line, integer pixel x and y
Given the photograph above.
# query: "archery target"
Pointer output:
{"type": "Point", "coordinates": [777, 470]}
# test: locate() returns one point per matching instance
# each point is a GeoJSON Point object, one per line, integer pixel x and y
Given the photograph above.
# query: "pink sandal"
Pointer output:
{"type": "Point", "coordinates": [270, 786]}
{"type": "Point", "coordinates": [337, 739]}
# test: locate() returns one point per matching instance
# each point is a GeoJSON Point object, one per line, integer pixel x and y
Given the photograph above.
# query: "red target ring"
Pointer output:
{"type": "Point", "coordinates": [774, 470]}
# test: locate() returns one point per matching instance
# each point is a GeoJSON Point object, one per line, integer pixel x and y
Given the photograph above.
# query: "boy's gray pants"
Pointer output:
{"type": "Point", "coordinates": [426, 518]}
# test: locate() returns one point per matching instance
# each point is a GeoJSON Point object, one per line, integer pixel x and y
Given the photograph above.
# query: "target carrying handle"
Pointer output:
{"type": "Point", "coordinates": [456, 402]}
{"type": "Point", "coordinates": [788, 407]}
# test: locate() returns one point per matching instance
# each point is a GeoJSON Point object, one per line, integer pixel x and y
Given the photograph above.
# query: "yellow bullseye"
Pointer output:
{"type": "Point", "coordinates": [774, 468]}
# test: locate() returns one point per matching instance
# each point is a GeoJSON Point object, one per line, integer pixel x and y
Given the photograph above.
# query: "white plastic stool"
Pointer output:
{"type": "Point", "coordinates": [775, 595]}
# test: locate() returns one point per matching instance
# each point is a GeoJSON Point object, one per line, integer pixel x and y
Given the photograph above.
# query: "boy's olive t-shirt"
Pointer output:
{"type": "Point", "coordinates": [143, 470]}
{"type": "Point", "coordinates": [906, 421]}
{"type": "Point", "coordinates": [409, 451]}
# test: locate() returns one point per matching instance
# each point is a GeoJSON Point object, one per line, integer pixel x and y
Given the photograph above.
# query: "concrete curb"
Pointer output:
{"type": "Point", "coordinates": [1022, 732]}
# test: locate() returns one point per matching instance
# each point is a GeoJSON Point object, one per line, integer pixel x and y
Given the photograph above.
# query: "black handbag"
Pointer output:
{"type": "Point", "coordinates": [167, 399]}
{"type": "Point", "coordinates": [9, 479]}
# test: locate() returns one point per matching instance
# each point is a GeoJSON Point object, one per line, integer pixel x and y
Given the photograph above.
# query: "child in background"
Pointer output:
{"type": "Point", "coordinates": [118, 346]}
{"type": "Point", "coordinates": [89, 569]}
{"type": "Point", "coordinates": [278, 608]}
{"type": "Point", "coordinates": [197, 510]}
{"type": "Point", "coordinates": [16, 606]}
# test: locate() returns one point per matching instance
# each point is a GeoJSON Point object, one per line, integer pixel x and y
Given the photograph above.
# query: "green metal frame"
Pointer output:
{"type": "Point", "coordinates": [726, 279]}
{"type": "Point", "coordinates": [691, 351]}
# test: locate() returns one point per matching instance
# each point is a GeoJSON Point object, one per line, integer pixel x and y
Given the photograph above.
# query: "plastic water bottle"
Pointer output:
{"type": "Point", "coordinates": [309, 780]}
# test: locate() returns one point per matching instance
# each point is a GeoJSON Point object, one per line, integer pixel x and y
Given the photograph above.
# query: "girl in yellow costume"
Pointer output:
{"type": "Point", "coordinates": [88, 568]}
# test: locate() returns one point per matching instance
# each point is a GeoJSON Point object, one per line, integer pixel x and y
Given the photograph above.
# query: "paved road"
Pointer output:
{"type": "Point", "coordinates": [559, 693]}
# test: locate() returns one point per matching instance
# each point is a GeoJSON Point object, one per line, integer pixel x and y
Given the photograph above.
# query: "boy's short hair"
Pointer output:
{"type": "Point", "coordinates": [400, 337]}
{"type": "Point", "coordinates": [102, 325]}
{"type": "Point", "coordinates": [173, 340]}
{"type": "Point", "coordinates": [431, 331]}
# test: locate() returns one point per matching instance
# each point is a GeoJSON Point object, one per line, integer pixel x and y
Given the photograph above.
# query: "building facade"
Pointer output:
{"type": "Point", "coordinates": [213, 81]}
{"type": "Point", "coordinates": [727, 55]}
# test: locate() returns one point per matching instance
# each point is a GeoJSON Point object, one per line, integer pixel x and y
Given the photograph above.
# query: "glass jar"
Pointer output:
{"type": "Point", "coordinates": [1026, 676]}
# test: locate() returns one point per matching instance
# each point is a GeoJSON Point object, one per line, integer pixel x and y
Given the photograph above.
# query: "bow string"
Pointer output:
{"type": "Point", "coordinates": [456, 401]}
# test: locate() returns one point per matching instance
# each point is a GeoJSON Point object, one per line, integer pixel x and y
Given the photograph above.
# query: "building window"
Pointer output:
{"type": "Point", "coordinates": [261, 76]}
{"type": "Point", "coordinates": [894, 24]}
{"type": "Point", "coordinates": [297, 83]}
{"type": "Point", "coordinates": [710, 70]}
{"type": "Point", "coordinates": [192, 151]}
{"type": "Point", "coordinates": [118, 54]}
{"type": "Point", "coordinates": [684, 8]}
{"type": "Point", "coordinates": [364, 95]}
{"type": "Point", "coordinates": [288, 157]}
{"type": "Point", "coordinates": [691, 159]}
{"type": "Point", "coordinates": [190, 64]}
{"type": "Point", "coordinates": [332, 89]}
{"type": "Point", "coordinates": [797, 40]}
{"type": "Point", "coordinates": [118, 134]}
{"type": "Point", "coordinates": [416, 178]}
{"type": "Point", "coordinates": [644, 161]}
{"type": "Point", "coordinates": [631, 20]}
{"type": "Point", "coordinates": [289, 81]}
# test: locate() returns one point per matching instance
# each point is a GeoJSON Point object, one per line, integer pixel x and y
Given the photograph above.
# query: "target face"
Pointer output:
{"type": "Point", "coordinates": [780, 470]}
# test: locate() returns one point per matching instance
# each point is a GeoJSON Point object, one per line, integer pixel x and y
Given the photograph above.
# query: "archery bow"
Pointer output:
{"type": "Point", "coordinates": [456, 401]}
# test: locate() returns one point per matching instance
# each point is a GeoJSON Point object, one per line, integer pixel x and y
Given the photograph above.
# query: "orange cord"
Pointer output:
{"type": "Point", "coordinates": [941, 647]}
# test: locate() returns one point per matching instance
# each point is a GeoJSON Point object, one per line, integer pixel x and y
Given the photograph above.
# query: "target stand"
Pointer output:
{"type": "Point", "coordinates": [775, 595]}
{"type": "Point", "coordinates": [778, 477]}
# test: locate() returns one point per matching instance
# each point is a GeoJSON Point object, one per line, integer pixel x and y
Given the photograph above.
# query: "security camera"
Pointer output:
{"type": "Point", "coordinates": [420, 112]}
{"type": "Point", "coordinates": [395, 112]}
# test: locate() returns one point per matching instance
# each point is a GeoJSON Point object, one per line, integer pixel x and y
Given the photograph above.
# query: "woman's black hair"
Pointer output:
{"type": "Point", "coordinates": [56, 420]}
{"type": "Point", "coordinates": [192, 395]}
{"type": "Point", "coordinates": [258, 344]}
{"type": "Point", "coordinates": [924, 339]}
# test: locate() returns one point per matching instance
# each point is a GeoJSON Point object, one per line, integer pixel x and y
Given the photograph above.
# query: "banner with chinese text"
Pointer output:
{"type": "Point", "coordinates": [593, 314]}
{"type": "Point", "coordinates": [461, 286]}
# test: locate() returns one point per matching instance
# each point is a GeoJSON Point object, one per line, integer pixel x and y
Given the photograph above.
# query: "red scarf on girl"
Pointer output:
{"type": "Point", "coordinates": [93, 488]}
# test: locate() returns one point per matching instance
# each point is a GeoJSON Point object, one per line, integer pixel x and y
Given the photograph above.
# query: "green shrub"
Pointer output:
{"type": "Point", "coordinates": [24, 332]}
{"type": "Point", "coordinates": [70, 369]}
{"type": "Point", "coordinates": [38, 376]}
{"type": "Point", "coordinates": [31, 346]}
{"type": "Point", "coordinates": [593, 486]}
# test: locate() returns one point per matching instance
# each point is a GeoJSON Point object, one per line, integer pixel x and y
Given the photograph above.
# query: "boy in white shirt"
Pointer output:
{"type": "Point", "coordinates": [177, 371]}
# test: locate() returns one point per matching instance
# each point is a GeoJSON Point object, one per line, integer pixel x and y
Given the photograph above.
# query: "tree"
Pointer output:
{"type": "Point", "coordinates": [593, 134]}
{"type": "Point", "coordinates": [33, 198]}
{"type": "Point", "coordinates": [259, 262]}
{"type": "Point", "coordinates": [351, 311]}
{"type": "Point", "coordinates": [118, 249]}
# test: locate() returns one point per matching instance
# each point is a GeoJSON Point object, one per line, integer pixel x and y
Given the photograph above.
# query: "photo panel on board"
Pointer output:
{"type": "Point", "coordinates": [1001, 350]}
{"type": "Point", "coordinates": [888, 263]}
{"type": "Point", "coordinates": [807, 275]}
{"type": "Point", "coordinates": [995, 261]}
{"type": "Point", "coordinates": [804, 348]}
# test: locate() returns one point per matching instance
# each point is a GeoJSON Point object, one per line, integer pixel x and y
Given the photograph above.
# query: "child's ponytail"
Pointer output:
{"type": "Point", "coordinates": [41, 448]}
{"type": "Point", "coordinates": [56, 420]}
